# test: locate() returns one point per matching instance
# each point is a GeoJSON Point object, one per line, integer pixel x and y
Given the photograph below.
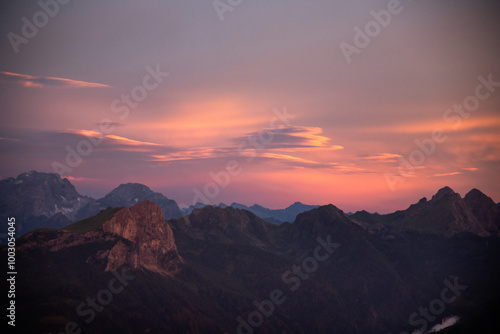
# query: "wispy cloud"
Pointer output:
{"type": "Point", "coordinates": [78, 179]}
{"type": "Point", "coordinates": [447, 174]}
{"type": "Point", "coordinates": [280, 145]}
{"type": "Point", "coordinates": [9, 139]}
{"type": "Point", "coordinates": [383, 157]}
{"type": "Point", "coordinates": [294, 137]}
{"type": "Point", "coordinates": [31, 81]}
{"type": "Point", "coordinates": [424, 127]}
{"type": "Point", "coordinates": [130, 142]}
{"type": "Point", "coordinates": [117, 142]}
{"type": "Point", "coordinates": [189, 154]}
{"type": "Point", "coordinates": [296, 161]}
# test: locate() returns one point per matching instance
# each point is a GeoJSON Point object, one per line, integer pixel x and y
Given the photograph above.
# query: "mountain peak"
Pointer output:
{"type": "Point", "coordinates": [36, 196]}
{"type": "Point", "coordinates": [327, 212]}
{"type": "Point", "coordinates": [445, 191]}
{"type": "Point", "coordinates": [129, 194]}
{"type": "Point", "coordinates": [475, 194]}
{"type": "Point", "coordinates": [132, 187]}
{"type": "Point", "coordinates": [296, 204]}
{"type": "Point", "coordinates": [34, 176]}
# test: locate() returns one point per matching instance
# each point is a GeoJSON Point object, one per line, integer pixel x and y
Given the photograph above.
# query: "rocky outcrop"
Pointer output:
{"type": "Point", "coordinates": [138, 238]}
{"type": "Point", "coordinates": [152, 245]}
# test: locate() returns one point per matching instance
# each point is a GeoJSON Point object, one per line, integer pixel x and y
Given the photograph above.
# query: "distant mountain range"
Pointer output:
{"type": "Point", "coordinates": [278, 216]}
{"type": "Point", "coordinates": [48, 200]}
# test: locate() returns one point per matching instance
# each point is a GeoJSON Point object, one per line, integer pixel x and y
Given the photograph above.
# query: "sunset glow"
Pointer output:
{"type": "Point", "coordinates": [181, 94]}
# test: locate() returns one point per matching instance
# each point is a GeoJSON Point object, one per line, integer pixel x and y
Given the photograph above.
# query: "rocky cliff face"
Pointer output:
{"type": "Point", "coordinates": [152, 245]}
{"type": "Point", "coordinates": [138, 237]}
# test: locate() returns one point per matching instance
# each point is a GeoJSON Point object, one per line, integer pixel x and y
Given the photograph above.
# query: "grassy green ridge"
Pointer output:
{"type": "Point", "coordinates": [92, 223]}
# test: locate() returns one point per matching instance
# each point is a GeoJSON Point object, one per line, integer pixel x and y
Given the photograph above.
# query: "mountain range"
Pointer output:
{"type": "Point", "coordinates": [446, 213]}
{"type": "Point", "coordinates": [130, 269]}
{"type": "Point", "coordinates": [48, 200]}
{"type": "Point", "coordinates": [278, 216]}
{"type": "Point", "coordinates": [225, 270]}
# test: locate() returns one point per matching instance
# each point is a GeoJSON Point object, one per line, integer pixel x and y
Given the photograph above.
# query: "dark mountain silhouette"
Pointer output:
{"type": "Point", "coordinates": [446, 213]}
{"type": "Point", "coordinates": [217, 271]}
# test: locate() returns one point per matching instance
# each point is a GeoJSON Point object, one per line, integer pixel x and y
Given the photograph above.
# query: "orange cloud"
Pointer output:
{"type": "Point", "coordinates": [471, 169]}
{"type": "Point", "coordinates": [447, 174]}
{"type": "Point", "coordinates": [78, 179]}
{"type": "Point", "coordinates": [301, 161]}
{"type": "Point", "coordinates": [473, 122]}
{"type": "Point", "coordinates": [384, 157]}
{"type": "Point", "coordinates": [189, 154]}
{"type": "Point", "coordinates": [127, 141]}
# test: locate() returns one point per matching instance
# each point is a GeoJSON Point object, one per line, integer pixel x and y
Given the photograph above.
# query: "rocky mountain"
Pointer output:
{"type": "Point", "coordinates": [48, 200]}
{"type": "Point", "coordinates": [140, 237]}
{"type": "Point", "coordinates": [40, 200]}
{"type": "Point", "coordinates": [446, 214]}
{"type": "Point", "coordinates": [227, 270]}
{"type": "Point", "coordinates": [277, 217]}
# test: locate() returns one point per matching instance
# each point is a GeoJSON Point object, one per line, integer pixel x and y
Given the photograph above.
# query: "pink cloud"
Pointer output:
{"type": "Point", "coordinates": [31, 81]}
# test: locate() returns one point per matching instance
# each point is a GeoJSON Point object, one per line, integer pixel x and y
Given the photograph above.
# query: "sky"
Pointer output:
{"type": "Point", "coordinates": [363, 104]}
